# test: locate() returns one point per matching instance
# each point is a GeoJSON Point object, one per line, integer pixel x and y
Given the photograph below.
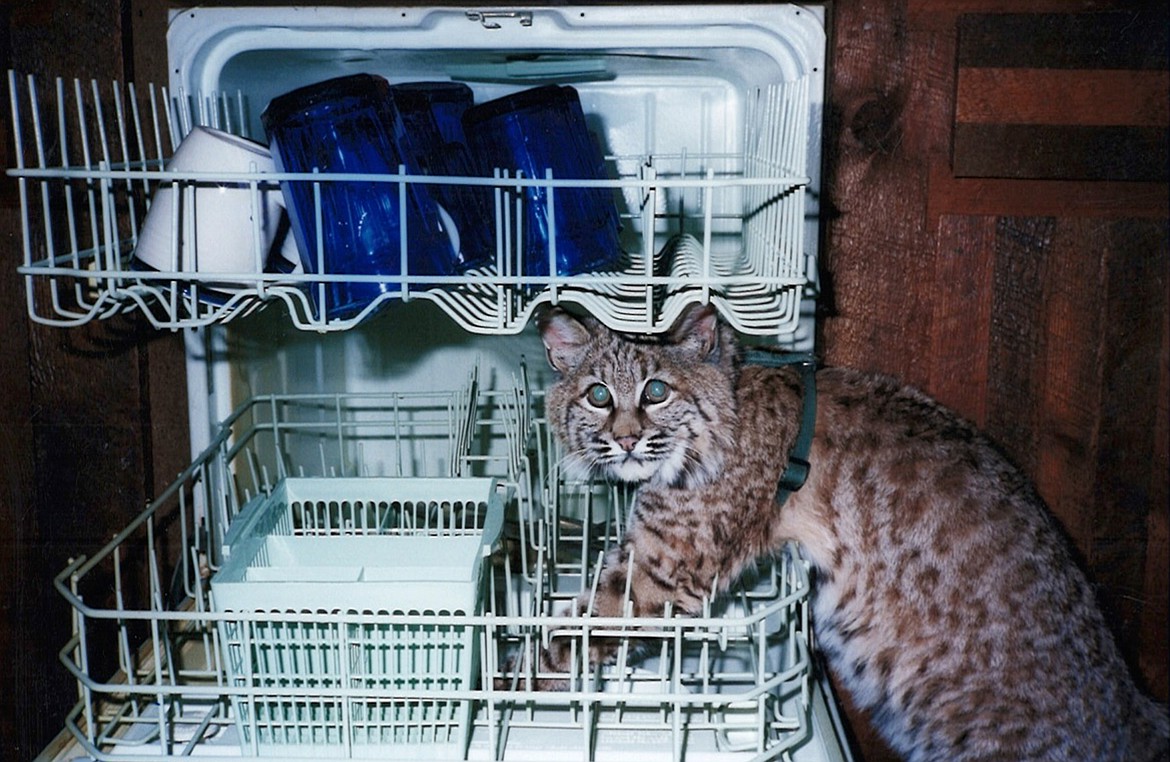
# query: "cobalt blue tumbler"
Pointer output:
{"type": "Point", "coordinates": [531, 132]}
{"type": "Point", "coordinates": [350, 125]}
{"type": "Point", "coordinates": [432, 113]}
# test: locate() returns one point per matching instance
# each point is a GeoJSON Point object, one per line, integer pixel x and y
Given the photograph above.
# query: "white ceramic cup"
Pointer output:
{"type": "Point", "coordinates": [218, 220]}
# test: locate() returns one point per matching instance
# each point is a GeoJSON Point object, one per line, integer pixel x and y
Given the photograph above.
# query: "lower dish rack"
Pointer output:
{"type": "Point", "coordinates": [379, 648]}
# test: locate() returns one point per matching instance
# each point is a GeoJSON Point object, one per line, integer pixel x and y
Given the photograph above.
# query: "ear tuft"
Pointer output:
{"type": "Point", "coordinates": [564, 336]}
{"type": "Point", "coordinates": [699, 332]}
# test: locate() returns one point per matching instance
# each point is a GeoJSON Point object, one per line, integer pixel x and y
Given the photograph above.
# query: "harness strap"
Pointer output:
{"type": "Point", "coordinates": [796, 472]}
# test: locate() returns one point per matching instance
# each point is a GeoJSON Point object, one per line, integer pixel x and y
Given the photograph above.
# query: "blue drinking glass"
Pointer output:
{"type": "Point", "coordinates": [535, 130]}
{"type": "Point", "coordinates": [350, 125]}
{"type": "Point", "coordinates": [427, 106]}
{"type": "Point", "coordinates": [432, 113]}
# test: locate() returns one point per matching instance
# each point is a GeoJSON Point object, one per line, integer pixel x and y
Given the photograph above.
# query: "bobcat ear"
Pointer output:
{"type": "Point", "coordinates": [699, 332]}
{"type": "Point", "coordinates": [564, 337]}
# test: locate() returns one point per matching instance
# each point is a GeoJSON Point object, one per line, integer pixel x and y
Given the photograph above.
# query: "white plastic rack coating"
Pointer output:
{"type": "Point", "coordinates": [724, 228]}
{"type": "Point", "coordinates": [733, 683]}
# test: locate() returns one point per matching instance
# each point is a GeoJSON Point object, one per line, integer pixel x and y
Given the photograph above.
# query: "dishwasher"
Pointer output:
{"type": "Point", "coordinates": [377, 531]}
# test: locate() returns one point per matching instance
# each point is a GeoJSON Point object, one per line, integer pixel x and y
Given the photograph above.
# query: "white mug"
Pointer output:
{"type": "Point", "coordinates": [217, 224]}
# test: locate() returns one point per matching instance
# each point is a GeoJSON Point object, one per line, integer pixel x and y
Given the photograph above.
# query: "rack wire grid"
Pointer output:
{"type": "Point", "coordinates": [722, 228]}
{"type": "Point", "coordinates": [358, 545]}
{"type": "Point", "coordinates": [733, 683]}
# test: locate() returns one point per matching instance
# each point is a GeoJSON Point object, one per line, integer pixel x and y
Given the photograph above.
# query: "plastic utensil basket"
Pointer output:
{"type": "Point", "coordinates": [349, 593]}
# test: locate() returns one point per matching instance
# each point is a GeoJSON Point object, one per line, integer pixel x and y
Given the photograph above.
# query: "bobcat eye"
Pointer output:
{"type": "Point", "coordinates": [656, 391]}
{"type": "Point", "coordinates": [598, 395]}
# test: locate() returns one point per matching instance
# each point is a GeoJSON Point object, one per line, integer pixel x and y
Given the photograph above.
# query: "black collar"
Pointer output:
{"type": "Point", "coordinates": [796, 472]}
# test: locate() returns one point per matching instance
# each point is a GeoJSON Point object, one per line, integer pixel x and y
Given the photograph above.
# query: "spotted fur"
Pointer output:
{"type": "Point", "coordinates": [946, 600]}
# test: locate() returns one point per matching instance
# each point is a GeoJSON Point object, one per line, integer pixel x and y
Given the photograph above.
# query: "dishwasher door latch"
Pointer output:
{"type": "Point", "coordinates": [490, 19]}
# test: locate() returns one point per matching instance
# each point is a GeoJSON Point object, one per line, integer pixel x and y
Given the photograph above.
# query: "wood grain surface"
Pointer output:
{"type": "Point", "coordinates": [998, 235]}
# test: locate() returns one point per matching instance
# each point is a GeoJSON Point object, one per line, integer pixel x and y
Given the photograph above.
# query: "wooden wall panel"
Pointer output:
{"type": "Point", "coordinates": [62, 444]}
{"type": "Point", "coordinates": [1090, 36]}
{"type": "Point", "coordinates": [959, 354]}
{"type": "Point", "coordinates": [1136, 278]}
{"type": "Point", "coordinates": [1054, 152]}
{"type": "Point", "coordinates": [1155, 624]}
{"type": "Point", "coordinates": [1069, 372]}
{"type": "Point", "coordinates": [89, 417]}
{"type": "Point", "coordinates": [19, 565]}
{"type": "Point", "coordinates": [1030, 294]}
{"type": "Point", "coordinates": [1017, 340]}
{"type": "Point", "coordinates": [1063, 96]}
{"type": "Point", "coordinates": [891, 84]}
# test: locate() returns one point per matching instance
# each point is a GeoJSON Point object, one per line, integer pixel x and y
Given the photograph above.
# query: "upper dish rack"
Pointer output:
{"type": "Point", "coordinates": [724, 228]}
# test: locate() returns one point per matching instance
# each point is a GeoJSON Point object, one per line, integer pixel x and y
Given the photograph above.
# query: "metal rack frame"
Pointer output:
{"type": "Point", "coordinates": [725, 229]}
{"type": "Point", "coordinates": [731, 684]}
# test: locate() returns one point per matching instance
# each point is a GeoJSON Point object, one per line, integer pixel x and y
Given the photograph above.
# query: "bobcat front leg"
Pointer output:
{"type": "Point", "coordinates": [641, 577]}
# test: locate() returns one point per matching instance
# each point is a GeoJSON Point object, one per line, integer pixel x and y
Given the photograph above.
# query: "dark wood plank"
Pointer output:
{"type": "Point", "coordinates": [1068, 311]}
{"type": "Point", "coordinates": [1061, 152]}
{"type": "Point", "coordinates": [1135, 273]}
{"type": "Point", "coordinates": [948, 194]}
{"type": "Point", "coordinates": [1132, 38]}
{"type": "Point", "coordinates": [985, 7]}
{"type": "Point", "coordinates": [165, 379]}
{"type": "Point", "coordinates": [1017, 342]}
{"type": "Point", "coordinates": [883, 122]}
{"type": "Point", "coordinates": [81, 428]}
{"type": "Point", "coordinates": [90, 463]}
{"type": "Point", "coordinates": [1155, 591]}
{"type": "Point", "coordinates": [1078, 331]}
{"type": "Point", "coordinates": [1104, 98]}
{"type": "Point", "coordinates": [961, 323]}
{"type": "Point", "coordinates": [17, 473]}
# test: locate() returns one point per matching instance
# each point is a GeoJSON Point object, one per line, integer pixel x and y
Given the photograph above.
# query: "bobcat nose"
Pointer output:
{"type": "Point", "coordinates": [627, 443]}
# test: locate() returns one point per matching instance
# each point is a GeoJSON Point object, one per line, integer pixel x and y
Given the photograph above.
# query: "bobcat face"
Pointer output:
{"type": "Point", "coordinates": [653, 411]}
{"type": "Point", "coordinates": [635, 428]}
